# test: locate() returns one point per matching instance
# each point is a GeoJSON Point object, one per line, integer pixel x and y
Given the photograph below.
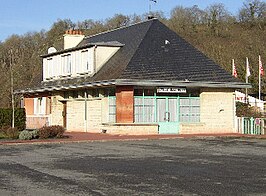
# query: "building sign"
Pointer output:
{"type": "Point", "coordinates": [171, 90]}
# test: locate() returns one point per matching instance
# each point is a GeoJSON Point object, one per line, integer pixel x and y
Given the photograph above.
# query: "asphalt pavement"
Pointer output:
{"type": "Point", "coordinates": [183, 166]}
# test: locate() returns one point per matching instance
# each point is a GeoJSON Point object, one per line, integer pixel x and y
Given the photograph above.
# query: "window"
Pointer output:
{"type": "Point", "coordinates": [111, 104]}
{"type": "Point", "coordinates": [148, 92]}
{"type": "Point", "coordinates": [75, 94]}
{"type": "Point", "coordinates": [144, 109]}
{"type": "Point", "coordinates": [71, 63]}
{"type": "Point", "coordinates": [189, 109]}
{"type": "Point", "coordinates": [151, 108]}
{"type": "Point", "coordinates": [66, 64]}
{"type": "Point", "coordinates": [111, 92]}
{"type": "Point", "coordinates": [81, 94]}
{"type": "Point", "coordinates": [95, 93]}
{"type": "Point", "coordinates": [49, 67]}
{"type": "Point", "coordinates": [39, 106]}
{"type": "Point", "coordinates": [71, 94]}
{"type": "Point", "coordinates": [112, 109]}
{"type": "Point", "coordinates": [84, 61]}
{"type": "Point", "coordinates": [66, 95]}
{"type": "Point", "coordinates": [138, 92]}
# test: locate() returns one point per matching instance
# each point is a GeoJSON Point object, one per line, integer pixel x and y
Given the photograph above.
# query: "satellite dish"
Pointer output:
{"type": "Point", "coordinates": [51, 50]}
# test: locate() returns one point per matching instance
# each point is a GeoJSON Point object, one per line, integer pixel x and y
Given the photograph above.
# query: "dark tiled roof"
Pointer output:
{"type": "Point", "coordinates": [152, 51]}
{"type": "Point", "coordinates": [131, 37]}
{"type": "Point", "coordinates": [177, 60]}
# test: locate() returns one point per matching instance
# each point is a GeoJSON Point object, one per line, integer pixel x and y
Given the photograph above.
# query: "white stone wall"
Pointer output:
{"type": "Point", "coordinates": [217, 110]}
{"type": "Point", "coordinates": [217, 115]}
{"type": "Point", "coordinates": [131, 129]}
{"type": "Point", "coordinates": [105, 110]}
{"type": "Point", "coordinates": [75, 115]}
{"type": "Point", "coordinates": [94, 113]}
{"type": "Point", "coordinates": [97, 113]}
{"type": "Point", "coordinates": [56, 110]}
{"type": "Point", "coordinates": [103, 54]}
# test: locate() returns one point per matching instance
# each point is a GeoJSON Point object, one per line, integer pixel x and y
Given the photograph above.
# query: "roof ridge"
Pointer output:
{"type": "Point", "coordinates": [119, 28]}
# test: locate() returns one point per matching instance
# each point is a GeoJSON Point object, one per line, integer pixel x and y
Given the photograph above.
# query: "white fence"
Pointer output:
{"type": "Point", "coordinates": [250, 125]}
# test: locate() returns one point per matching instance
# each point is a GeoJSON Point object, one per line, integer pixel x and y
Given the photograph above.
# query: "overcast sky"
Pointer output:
{"type": "Point", "coordinates": [21, 16]}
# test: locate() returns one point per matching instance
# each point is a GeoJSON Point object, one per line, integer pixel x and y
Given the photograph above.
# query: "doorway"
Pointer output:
{"type": "Point", "coordinates": [167, 115]}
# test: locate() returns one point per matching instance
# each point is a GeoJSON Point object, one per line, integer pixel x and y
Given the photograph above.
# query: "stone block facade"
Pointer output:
{"type": "Point", "coordinates": [131, 129]}
{"type": "Point", "coordinates": [217, 113]}
{"type": "Point", "coordinates": [217, 110]}
{"type": "Point", "coordinates": [56, 110]}
{"type": "Point", "coordinates": [81, 115]}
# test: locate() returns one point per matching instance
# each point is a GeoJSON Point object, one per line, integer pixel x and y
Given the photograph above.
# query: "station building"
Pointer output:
{"type": "Point", "coordinates": [140, 79]}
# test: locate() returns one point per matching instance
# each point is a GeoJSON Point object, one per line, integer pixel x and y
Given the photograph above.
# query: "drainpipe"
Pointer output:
{"type": "Point", "coordinates": [86, 115]}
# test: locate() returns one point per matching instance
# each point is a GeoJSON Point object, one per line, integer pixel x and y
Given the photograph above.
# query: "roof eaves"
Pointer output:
{"type": "Point", "coordinates": [200, 84]}
{"type": "Point", "coordinates": [45, 89]}
{"type": "Point", "coordinates": [109, 44]}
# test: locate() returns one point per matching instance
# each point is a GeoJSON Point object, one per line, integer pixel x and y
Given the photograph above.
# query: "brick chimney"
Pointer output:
{"type": "Point", "coordinates": [72, 38]}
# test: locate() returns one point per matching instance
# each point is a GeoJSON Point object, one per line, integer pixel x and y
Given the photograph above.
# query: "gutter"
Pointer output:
{"type": "Point", "coordinates": [89, 45]}
{"type": "Point", "coordinates": [44, 89]}
{"type": "Point", "coordinates": [183, 83]}
{"type": "Point", "coordinates": [134, 82]}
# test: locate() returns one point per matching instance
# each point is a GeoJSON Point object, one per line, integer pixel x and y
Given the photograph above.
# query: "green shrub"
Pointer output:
{"type": "Point", "coordinates": [2, 136]}
{"type": "Point", "coordinates": [245, 110]}
{"type": "Point", "coordinates": [35, 134]}
{"type": "Point", "coordinates": [25, 135]}
{"type": "Point", "coordinates": [10, 133]}
{"type": "Point", "coordinates": [3, 132]}
{"type": "Point", "coordinates": [6, 118]}
{"type": "Point", "coordinates": [51, 132]}
{"type": "Point", "coordinates": [20, 118]}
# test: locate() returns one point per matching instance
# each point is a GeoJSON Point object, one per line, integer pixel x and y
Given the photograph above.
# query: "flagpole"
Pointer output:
{"type": "Point", "coordinates": [247, 67]}
{"type": "Point", "coordinates": [233, 67]}
{"type": "Point", "coordinates": [259, 77]}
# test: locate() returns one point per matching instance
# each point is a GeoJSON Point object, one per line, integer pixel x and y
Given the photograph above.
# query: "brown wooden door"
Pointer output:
{"type": "Point", "coordinates": [64, 114]}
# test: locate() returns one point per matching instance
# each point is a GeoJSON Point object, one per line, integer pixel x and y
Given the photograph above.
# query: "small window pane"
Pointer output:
{"type": "Point", "coordinates": [149, 92]}
{"type": "Point", "coordinates": [111, 91]}
{"type": "Point", "coordinates": [138, 92]}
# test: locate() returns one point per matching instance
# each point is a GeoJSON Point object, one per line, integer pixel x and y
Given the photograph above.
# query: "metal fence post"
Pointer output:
{"type": "Point", "coordinates": [251, 125]}
{"type": "Point", "coordinates": [242, 120]}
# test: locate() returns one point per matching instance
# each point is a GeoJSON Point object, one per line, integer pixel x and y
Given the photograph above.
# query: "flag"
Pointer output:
{"type": "Point", "coordinates": [234, 72]}
{"type": "Point", "coordinates": [261, 71]}
{"type": "Point", "coordinates": [247, 68]}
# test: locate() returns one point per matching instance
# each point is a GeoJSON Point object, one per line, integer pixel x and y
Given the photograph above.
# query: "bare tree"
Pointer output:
{"type": "Point", "coordinates": [253, 11]}
{"type": "Point", "coordinates": [217, 15]}
{"type": "Point", "coordinates": [117, 21]}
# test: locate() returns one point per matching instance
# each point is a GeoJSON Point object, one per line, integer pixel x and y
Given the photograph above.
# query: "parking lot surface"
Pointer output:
{"type": "Point", "coordinates": [184, 166]}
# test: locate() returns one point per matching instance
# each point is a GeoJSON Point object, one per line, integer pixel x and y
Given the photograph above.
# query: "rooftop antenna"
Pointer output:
{"type": "Point", "coordinates": [150, 16]}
